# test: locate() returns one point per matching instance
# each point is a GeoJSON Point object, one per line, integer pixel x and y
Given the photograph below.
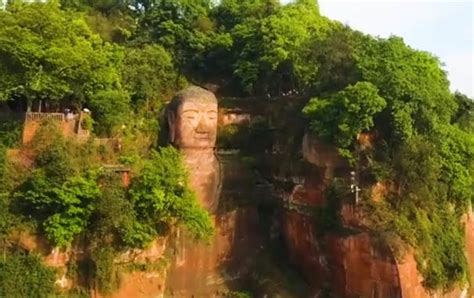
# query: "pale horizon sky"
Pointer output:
{"type": "Point", "coordinates": [442, 27]}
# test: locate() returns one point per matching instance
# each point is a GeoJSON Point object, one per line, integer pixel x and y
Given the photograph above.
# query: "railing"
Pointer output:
{"type": "Point", "coordinates": [38, 117]}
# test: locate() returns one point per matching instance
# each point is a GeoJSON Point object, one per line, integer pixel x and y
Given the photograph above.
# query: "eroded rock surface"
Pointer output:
{"type": "Point", "coordinates": [350, 263]}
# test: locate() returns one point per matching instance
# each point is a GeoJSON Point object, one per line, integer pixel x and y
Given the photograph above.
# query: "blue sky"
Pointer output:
{"type": "Point", "coordinates": [444, 28]}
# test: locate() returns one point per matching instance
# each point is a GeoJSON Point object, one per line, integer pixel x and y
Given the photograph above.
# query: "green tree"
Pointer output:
{"type": "Point", "coordinates": [456, 148]}
{"type": "Point", "coordinates": [25, 276]}
{"type": "Point", "coordinates": [113, 213]}
{"type": "Point", "coordinates": [338, 118]}
{"type": "Point", "coordinates": [110, 109]}
{"type": "Point", "coordinates": [230, 13]}
{"type": "Point", "coordinates": [58, 194]}
{"type": "Point", "coordinates": [425, 212]}
{"type": "Point", "coordinates": [149, 75]}
{"type": "Point", "coordinates": [270, 43]}
{"type": "Point", "coordinates": [63, 210]}
{"type": "Point", "coordinates": [334, 53]}
{"type": "Point", "coordinates": [49, 54]}
{"type": "Point", "coordinates": [286, 35]}
{"type": "Point", "coordinates": [180, 26]}
{"type": "Point", "coordinates": [464, 115]}
{"type": "Point", "coordinates": [10, 138]}
{"type": "Point", "coordinates": [105, 273]}
{"type": "Point", "coordinates": [161, 197]}
{"type": "Point", "coordinates": [7, 220]}
{"type": "Point", "coordinates": [412, 82]}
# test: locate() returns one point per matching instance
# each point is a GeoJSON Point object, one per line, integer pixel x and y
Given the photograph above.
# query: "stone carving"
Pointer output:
{"type": "Point", "coordinates": [204, 269]}
{"type": "Point", "coordinates": [192, 120]}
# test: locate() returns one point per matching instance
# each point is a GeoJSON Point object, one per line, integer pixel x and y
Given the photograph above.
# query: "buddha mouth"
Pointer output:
{"type": "Point", "coordinates": [202, 136]}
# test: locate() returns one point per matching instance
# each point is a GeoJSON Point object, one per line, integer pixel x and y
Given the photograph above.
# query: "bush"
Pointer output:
{"type": "Point", "coordinates": [423, 213]}
{"type": "Point", "coordinates": [328, 217]}
{"type": "Point", "coordinates": [6, 219]}
{"type": "Point", "coordinates": [10, 137]}
{"type": "Point", "coordinates": [11, 133]}
{"type": "Point", "coordinates": [161, 197]}
{"type": "Point", "coordinates": [113, 212]}
{"type": "Point", "coordinates": [63, 210]}
{"type": "Point", "coordinates": [110, 109]}
{"type": "Point", "coordinates": [25, 276]}
{"type": "Point", "coordinates": [105, 272]}
{"type": "Point", "coordinates": [87, 122]}
{"type": "Point", "coordinates": [338, 118]}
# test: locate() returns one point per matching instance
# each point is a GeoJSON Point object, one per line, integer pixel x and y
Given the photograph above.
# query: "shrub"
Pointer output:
{"type": "Point", "coordinates": [25, 276]}
{"type": "Point", "coordinates": [161, 197]}
{"type": "Point", "coordinates": [110, 109]}
{"type": "Point", "coordinates": [64, 209]}
{"type": "Point", "coordinates": [106, 274]}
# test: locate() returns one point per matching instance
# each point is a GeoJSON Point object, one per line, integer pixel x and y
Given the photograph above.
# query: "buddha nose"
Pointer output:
{"type": "Point", "coordinates": [202, 126]}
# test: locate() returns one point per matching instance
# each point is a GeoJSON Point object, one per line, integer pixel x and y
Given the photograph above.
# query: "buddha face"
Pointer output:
{"type": "Point", "coordinates": [194, 124]}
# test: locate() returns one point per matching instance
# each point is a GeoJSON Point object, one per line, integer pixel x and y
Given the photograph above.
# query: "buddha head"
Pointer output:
{"type": "Point", "coordinates": [192, 118]}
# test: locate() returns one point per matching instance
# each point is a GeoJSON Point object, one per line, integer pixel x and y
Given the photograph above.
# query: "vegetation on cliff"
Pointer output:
{"type": "Point", "coordinates": [123, 59]}
{"type": "Point", "coordinates": [25, 276]}
{"type": "Point", "coordinates": [420, 150]}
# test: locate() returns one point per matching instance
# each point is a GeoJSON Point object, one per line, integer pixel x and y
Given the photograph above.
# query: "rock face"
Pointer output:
{"type": "Point", "coordinates": [139, 284]}
{"type": "Point", "coordinates": [411, 280]}
{"type": "Point", "coordinates": [203, 270]}
{"type": "Point", "coordinates": [351, 263]}
{"type": "Point", "coordinates": [343, 266]}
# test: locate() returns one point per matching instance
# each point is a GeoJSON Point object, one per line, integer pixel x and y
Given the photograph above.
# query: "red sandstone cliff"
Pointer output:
{"type": "Point", "coordinates": [350, 265]}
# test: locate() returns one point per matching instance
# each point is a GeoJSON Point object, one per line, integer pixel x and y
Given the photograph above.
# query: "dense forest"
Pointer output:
{"type": "Point", "coordinates": [123, 60]}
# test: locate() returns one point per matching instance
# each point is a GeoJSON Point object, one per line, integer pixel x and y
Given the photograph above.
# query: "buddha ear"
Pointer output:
{"type": "Point", "coordinates": [171, 125]}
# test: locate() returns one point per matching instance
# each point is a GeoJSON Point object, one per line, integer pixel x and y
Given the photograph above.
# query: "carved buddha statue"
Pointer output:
{"type": "Point", "coordinates": [192, 120]}
{"type": "Point", "coordinates": [202, 269]}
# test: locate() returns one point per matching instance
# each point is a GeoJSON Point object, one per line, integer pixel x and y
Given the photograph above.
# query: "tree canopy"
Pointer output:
{"type": "Point", "coordinates": [47, 53]}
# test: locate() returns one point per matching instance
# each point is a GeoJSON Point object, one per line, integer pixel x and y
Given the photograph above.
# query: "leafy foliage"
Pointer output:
{"type": "Point", "coordinates": [25, 276]}
{"type": "Point", "coordinates": [341, 117]}
{"type": "Point", "coordinates": [66, 199]}
{"type": "Point", "coordinates": [64, 208]}
{"type": "Point", "coordinates": [47, 53]}
{"type": "Point", "coordinates": [180, 26]}
{"type": "Point", "coordinates": [11, 133]}
{"type": "Point", "coordinates": [106, 274]}
{"type": "Point", "coordinates": [412, 82]}
{"type": "Point", "coordinates": [269, 43]}
{"type": "Point", "coordinates": [425, 208]}
{"type": "Point", "coordinates": [149, 74]}
{"type": "Point", "coordinates": [111, 109]}
{"type": "Point", "coordinates": [6, 220]}
{"type": "Point", "coordinates": [113, 212]}
{"type": "Point", "coordinates": [402, 95]}
{"type": "Point", "coordinates": [161, 195]}
{"type": "Point", "coordinates": [9, 138]}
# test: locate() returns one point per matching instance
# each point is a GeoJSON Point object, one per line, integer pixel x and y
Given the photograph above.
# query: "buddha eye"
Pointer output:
{"type": "Point", "coordinates": [190, 115]}
{"type": "Point", "coordinates": [212, 115]}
